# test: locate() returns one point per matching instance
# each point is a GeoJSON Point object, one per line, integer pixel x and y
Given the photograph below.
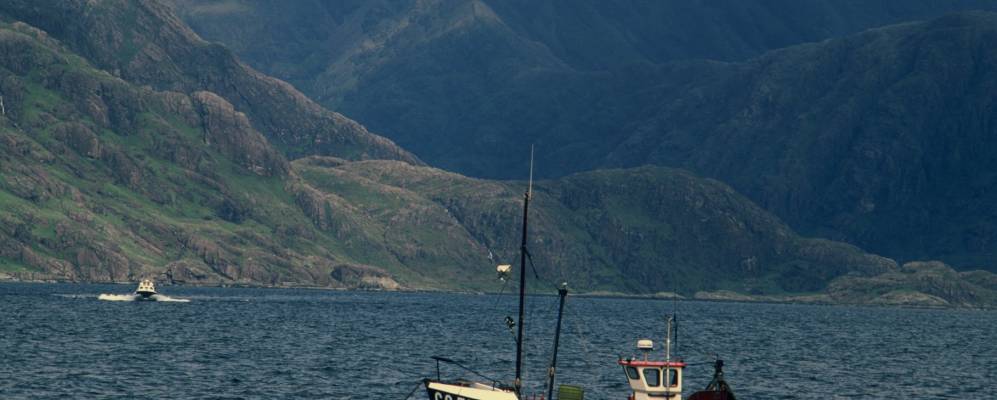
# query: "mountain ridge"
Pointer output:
{"type": "Point", "coordinates": [153, 47]}
{"type": "Point", "coordinates": [103, 179]}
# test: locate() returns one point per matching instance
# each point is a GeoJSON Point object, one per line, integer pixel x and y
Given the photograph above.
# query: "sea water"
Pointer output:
{"type": "Point", "coordinates": [59, 341]}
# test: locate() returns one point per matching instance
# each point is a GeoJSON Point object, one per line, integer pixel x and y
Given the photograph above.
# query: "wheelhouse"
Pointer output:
{"type": "Point", "coordinates": [146, 288]}
{"type": "Point", "coordinates": [654, 379]}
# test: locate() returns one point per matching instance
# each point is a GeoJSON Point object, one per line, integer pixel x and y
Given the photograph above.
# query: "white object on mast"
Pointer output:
{"type": "Point", "coordinates": [504, 271]}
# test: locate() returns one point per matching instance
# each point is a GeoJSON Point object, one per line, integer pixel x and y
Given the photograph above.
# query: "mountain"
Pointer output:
{"type": "Point", "coordinates": [880, 138]}
{"type": "Point", "coordinates": [112, 176]}
{"type": "Point", "coordinates": [104, 179]}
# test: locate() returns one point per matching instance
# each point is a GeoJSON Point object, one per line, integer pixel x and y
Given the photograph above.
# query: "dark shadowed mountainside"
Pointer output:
{"type": "Point", "coordinates": [462, 83]}
{"type": "Point", "coordinates": [884, 139]}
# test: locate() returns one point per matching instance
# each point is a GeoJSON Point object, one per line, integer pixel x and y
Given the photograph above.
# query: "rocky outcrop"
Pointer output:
{"type": "Point", "coordinates": [363, 277]}
{"type": "Point", "coordinates": [918, 284]}
{"type": "Point", "coordinates": [231, 132]}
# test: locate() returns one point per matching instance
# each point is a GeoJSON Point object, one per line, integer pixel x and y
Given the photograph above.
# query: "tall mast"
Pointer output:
{"type": "Point", "coordinates": [522, 281]}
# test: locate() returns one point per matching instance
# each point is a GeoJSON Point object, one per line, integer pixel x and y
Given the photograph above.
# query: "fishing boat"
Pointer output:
{"type": "Point", "coordinates": [439, 389]}
{"type": "Point", "coordinates": [662, 379]}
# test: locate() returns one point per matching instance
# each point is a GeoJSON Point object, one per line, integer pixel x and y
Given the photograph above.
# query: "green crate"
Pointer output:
{"type": "Point", "coordinates": [568, 392]}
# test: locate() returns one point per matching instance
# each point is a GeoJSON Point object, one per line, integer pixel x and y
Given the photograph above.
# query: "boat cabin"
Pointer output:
{"type": "Point", "coordinates": [653, 380]}
{"type": "Point", "coordinates": [146, 288]}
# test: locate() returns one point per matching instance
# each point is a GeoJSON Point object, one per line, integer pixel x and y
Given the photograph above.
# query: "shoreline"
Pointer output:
{"type": "Point", "coordinates": [818, 299]}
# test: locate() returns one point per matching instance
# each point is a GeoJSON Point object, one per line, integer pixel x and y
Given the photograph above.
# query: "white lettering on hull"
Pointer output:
{"type": "Point", "coordinates": [440, 396]}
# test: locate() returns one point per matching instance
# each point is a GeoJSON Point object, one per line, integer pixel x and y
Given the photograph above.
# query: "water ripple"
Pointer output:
{"type": "Point", "coordinates": [59, 341]}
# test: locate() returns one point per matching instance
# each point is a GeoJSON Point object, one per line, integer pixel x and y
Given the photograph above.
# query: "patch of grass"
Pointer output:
{"type": "Point", "coordinates": [13, 266]}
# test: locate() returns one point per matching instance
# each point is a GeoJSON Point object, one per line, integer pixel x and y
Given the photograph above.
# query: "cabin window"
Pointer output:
{"type": "Point", "coordinates": [673, 379]}
{"type": "Point", "coordinates": [632, 372]}
{"type": "Point", "coordinates": [652, 376]}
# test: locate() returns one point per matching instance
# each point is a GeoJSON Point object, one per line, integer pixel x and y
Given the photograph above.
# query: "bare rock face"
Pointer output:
{"type": "Point", "coordinates": [80, 138]}
{"type": "Point", "coordinates": [230, 131]}
{"type": "Point", "coordinates": [910, 298]}
{"type": "Point", "coordinates": [187, 272]}
{"type": "Point", "coordinates": [363, 277]}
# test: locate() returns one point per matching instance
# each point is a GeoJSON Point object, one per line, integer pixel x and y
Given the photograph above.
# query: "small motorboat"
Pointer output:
{"type": "Point", "coordinates": [146, 291]}
{"type": "Point", "coordinates": [652, 379]}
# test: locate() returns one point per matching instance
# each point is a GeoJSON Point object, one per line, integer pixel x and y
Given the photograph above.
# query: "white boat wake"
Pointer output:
{"type": "Point", "coordinates": [146, 292]}
{"type": "Point", "coordinates": [138, 297]}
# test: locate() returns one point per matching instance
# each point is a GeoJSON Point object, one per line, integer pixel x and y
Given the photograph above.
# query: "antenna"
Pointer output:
{"type": "Point", "coordinates": [668, 355]}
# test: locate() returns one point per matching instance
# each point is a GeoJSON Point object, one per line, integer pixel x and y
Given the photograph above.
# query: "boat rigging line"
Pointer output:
{"type": "Point", "coordinates": [410, 393]}
{"type": "Point", "coordinates": [445, 360]}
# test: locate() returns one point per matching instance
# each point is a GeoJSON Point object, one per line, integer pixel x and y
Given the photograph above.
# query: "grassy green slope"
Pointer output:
{"type": "Point", "coordinates": [104, 181]}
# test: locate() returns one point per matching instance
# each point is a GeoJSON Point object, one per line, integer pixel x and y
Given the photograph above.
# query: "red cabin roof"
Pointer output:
{"type": "Point", "coordinates": [662, 364]}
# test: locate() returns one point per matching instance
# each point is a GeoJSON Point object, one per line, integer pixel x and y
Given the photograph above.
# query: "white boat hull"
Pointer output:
{"type": "Point", "coordinates": [473, 391]}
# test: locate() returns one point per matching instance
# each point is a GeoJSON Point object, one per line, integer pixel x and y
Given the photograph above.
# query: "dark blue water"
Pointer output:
{"type": "Point", "coordinates": [59, 341]}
